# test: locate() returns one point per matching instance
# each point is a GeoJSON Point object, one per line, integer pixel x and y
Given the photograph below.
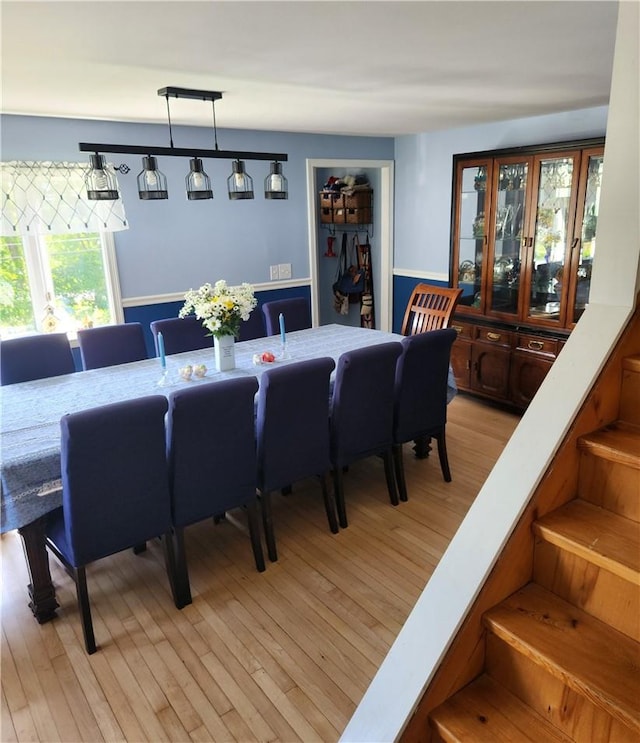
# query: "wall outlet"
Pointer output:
{"type": "Point", "coordinates": [274, 273]}
{"type": "Point", "coordinates": [284, 270]}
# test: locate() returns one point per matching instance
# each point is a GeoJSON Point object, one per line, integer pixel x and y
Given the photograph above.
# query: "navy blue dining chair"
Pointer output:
{"type": "Point", "coordinates": [362, 414]}
{"type": "Point", "coordinates": [115, 490]}
{"type": "Point", "coordinates": [292, 430]}
{"type": "Point", "coordinates": [253, 327]}
{"type": "Point", "coordinates": [296, 313]}
{"type": "Point", "coordinates": [181, 334]}
{"type": "Point", "coordinates": [35, 357]}
{"type": "Point", "coordinates": [211, 451]}
{"type": "Point", "coordinates": [109, 345]}
{"type": "Point", "coordinates": [420, 409]}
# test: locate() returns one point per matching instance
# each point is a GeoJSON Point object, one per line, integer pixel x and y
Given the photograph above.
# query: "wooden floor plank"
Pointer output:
{"type": "Point", "coordinates": [280, 656]}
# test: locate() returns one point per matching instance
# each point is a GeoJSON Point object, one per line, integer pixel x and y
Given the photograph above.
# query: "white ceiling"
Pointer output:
{"type": "Point", "coordinates": [366, 67]}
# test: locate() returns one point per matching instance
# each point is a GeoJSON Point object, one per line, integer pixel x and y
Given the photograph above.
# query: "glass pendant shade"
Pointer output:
{"type": "Point", "coordinates": [198, 183]}
{"type": "Point", "coordinates": [101, 183]}
{"type": "Point", "coordinates": [275, 184]}
{"type": "Point", "coordinates": [239, 183]}
{"type": "Point", "coordinates": [152, 184]}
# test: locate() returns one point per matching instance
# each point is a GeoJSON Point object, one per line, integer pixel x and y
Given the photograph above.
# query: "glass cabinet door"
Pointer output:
{"type": "Point", "coordinates": [590, 205]}
{"type": "Point", "coordinates": [470, 233]}
{"type": "Point", "coordinates": [507, 232]}
{"type": "Point", "coordinates": [552, 235]}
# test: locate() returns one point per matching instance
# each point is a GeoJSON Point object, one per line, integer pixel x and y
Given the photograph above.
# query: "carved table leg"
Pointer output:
{"type": "Point", "coordinates": [43, 602]}
{"type": "Point", "coordinates": [422, 447]}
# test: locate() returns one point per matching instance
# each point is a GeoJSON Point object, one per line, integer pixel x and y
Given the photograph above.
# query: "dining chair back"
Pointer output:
{"type": "Point", "coordinates": [292, 430]}
{"type": "Point", "coordinates": [109, 345]}
{"type": "Point", "coordinates": [115, 490]}
{"type": "Point", "coordinates": [420, 408]}
{"type": "Point", "coordinates": [361, 422]}
{"type": "Point", "coordinates": [181, 334]}
{"type": "Point", "coordinates": [429, 308]}
{"type": "Point", "coordinates": [35, 357]}
{"type": "Point", "coordinates": [212, 461]}
{"type": "Point", "coordinates": [296, 313]}
{"type": "Point", "coordinates": [253, 327]}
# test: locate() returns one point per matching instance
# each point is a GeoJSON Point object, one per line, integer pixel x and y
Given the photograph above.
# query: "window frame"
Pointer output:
{"type": "Point", "coordinates": [40, 279]}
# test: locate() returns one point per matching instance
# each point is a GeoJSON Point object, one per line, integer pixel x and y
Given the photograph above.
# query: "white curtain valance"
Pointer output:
{"type": "Point", "coordinates": [41, 197]}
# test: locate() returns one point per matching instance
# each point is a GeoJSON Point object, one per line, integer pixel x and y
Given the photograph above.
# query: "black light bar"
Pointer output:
{"type": "Point", "coordinates": [129, 149]}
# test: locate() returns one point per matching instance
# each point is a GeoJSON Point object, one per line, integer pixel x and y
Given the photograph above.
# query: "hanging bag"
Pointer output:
{"type": "Point", "coordinates": [340, 298]}
{"type": "Point", "coordinates": [350, 277]}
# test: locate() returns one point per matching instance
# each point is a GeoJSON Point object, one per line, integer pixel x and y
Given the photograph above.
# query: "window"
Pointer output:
{"type": "Point", "coordinates": [57, 255]}
{"type": "Point", "coordinates": [59, 282]}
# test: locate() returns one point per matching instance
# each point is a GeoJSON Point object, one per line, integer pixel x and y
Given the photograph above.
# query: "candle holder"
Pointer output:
{"type": "Point", "coordinates": [284, 352]}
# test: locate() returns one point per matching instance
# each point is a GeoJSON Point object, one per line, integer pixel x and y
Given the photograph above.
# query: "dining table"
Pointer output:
{"type": "Point", "coordinates": [30, 478]}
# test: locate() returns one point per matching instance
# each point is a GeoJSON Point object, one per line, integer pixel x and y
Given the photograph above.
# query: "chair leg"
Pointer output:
{"type": "Point", "coordinates": [338, 490]}
{"type": "Point", "coordinates": [80, 577]}
{"type": "Point", "coordinates": [391, 480]}
{"type": "Point", "coordinates": [254, 533]}
{"type": "Point", "coordinates": [399, 467]}
{"type": "Point", "coordinates": [442, 454]}
{"type": "Point", "coordinates": [267, 521]}
{"type": "Point", "coordinates": [181, 587]}
{"type": "Point", "coordinates": [329, 503]}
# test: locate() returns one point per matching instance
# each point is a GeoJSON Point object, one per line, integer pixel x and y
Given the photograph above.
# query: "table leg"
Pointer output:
{"type": "Point", "coordinates": [422, 447]}
{"type": "Point", "coordinates": [43, 602]}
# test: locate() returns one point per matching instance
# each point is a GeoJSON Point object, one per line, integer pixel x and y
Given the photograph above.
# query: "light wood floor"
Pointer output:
{"type": "Point", "coordinates": [285, 655]}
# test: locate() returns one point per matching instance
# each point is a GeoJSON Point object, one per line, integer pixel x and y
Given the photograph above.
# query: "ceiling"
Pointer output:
{"type": "Point", "coordinates": [366, 67]}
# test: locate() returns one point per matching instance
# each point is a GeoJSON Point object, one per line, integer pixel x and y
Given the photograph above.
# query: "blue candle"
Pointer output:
{"type": "Point", "coordinates": [163, 360]}
{"type": "Point", "coordinates": [282, 333]}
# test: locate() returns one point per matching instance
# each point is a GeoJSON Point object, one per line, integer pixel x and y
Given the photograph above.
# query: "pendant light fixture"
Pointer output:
{"type": "Point", "coordinates": [275, 184]}
{"type": "Point", "coordinates": [100, 181]}
{"type": "Point", "coordinates": [239, 183]}
{"type": "Point", "coordinates": [152, 184]}
{"type": "Point", "coordinates": [198, 182]}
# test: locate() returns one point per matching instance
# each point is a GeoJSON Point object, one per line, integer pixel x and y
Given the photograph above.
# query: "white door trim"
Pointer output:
{"type": "Point", "coordinates": [384, 309]}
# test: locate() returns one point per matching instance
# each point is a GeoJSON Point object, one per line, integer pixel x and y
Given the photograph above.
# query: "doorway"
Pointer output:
{"type": "Point", "coordinates": [381, 233]}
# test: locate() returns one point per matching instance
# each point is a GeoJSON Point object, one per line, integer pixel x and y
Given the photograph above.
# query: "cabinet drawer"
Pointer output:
{"type": "Point", "coordinates": [539, 345]}
{"type": "Point", "coordinates": [492, 335]}
{"type": "Point", "coordinates": [463, 330]}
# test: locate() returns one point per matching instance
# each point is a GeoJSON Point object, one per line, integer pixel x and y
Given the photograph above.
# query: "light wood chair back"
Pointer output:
{"type": "Point", "coordinates": [429, 308]}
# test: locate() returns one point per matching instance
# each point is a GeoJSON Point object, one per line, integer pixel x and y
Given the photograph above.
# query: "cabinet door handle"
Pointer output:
{"type": "Point", "coordinates": [493, 336]}
{"type": "Point", "coordinates": [575, 243]}
{"type": "Point", "coordinates": [457, 328]}
{"type": "Point", "coordinates": [536, 345]}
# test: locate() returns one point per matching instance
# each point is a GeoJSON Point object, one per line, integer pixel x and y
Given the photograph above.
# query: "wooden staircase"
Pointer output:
{"type": "Point", "coordinates": [562, 654]}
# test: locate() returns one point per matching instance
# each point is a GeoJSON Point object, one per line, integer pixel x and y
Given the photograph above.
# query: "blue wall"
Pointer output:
{"type": "Point", "coordinates": [424, 177]}
{"type": "Point", "coordinates": [175, 245]}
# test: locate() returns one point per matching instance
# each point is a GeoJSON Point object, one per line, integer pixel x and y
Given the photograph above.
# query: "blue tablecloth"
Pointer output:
{"type": "Point", "coordinates": [31, 411]}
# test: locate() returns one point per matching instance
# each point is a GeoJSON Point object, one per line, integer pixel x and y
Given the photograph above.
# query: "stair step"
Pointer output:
{"type": "Point", "coordinates": [585, 654]}
{"type": "Point", "coordinates": [603, 538]}
{"type": "Point", "coordinates": [618, 442]}
{"type": "Point", "coordinates": [630, 390]}
{"type": "Point", "coordinates": [632, 363]}
{"type": "Point", "coordinates": [485, 712]}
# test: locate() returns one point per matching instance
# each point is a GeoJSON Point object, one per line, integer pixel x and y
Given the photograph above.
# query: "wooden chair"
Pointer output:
{"type": "Point", "coordinates": [429, 308]}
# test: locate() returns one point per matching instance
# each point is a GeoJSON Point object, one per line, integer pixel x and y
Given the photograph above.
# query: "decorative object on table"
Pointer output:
{"type": "Point", "coordinates": [199, 371]}
{"type": "Point", "coordinates": [222, 309]}
{"type": "Point", "coordinates": [186, 372]}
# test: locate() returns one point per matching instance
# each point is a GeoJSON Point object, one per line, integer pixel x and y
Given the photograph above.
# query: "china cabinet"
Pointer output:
{"type": "Point", "coordinates": [523, 239]}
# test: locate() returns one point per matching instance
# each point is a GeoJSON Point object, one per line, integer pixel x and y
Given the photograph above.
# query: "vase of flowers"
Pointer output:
{"type": "Point", "coordinates": [221, 308]}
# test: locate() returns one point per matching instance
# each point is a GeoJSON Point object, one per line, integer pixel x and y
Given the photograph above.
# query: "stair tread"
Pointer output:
{"type": "Point", "coordinates": [618, 442]}
{"type": "Point", "coordinates": [600, 536]}
{"type": "Point", "coordinates": [587, 655]}
{"type": "Point", "coordinates": [485, 712]}
{"type": "Point", "coordinates": [632, 363]}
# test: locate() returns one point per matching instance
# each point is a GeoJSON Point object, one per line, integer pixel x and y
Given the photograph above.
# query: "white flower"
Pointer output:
{"type": "Point", "coordinates": [220, 307]}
